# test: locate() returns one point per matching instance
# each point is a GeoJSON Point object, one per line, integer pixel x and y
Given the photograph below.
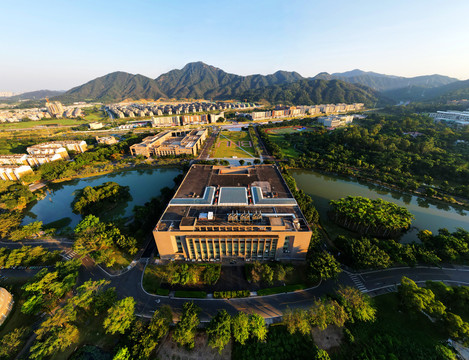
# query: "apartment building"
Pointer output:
{"type": "Point", "coordinates": [171, 143]}
{"type": "Point", "coordinates": [246, 213]}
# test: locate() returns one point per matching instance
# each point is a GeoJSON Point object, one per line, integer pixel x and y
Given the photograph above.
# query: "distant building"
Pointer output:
{"type": "Point", "coordinates": [49, 148]}
{"type": "Point", "coordinates": [14, 159]}
{"type": "Point", "coordinates": [459, 117]}
{"type": "Point", "coordinates": [334, 121]}
{"type": "Point", "coordinates": [95, 125]}
{"type": "Point", "coordinates": [165, 121]}
{"type": "Point", "coordinates": [171, 143]}
{"type": "Point", "coordinates": [242, 213]}
{"type": "Point", "coordinates": [55, 108]}
{"type": "Point", "coordinates": [108, 140]}
{"type": "Point", "coordinates": [6, 304]}
{"type": "Point", "coordinates": [14, 172]}
{"type": "Point", "coordinates": [40, 159]}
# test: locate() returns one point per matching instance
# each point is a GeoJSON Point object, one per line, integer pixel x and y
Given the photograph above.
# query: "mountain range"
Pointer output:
{"type": "Point", "coordinates": [198, 80]}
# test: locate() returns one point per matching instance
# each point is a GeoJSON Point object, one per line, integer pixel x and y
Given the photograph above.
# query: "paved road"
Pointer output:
{"type": "Point", "coordinates": [205, 153]}
{"type": "Point", "coordinates": [371, 282]}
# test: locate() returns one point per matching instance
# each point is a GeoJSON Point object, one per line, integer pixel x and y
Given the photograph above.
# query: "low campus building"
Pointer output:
{"type": "Point", "coordinates": [6, 304]}
{"type": "Point", "coordinates": [49, 148]}
{"type": "Point", "coordinates": [334, 121]}
{"type": "Point", "coordinates": [171, 143]}
{"type": "Point", "coordinates": [245, 213]}
{"type": "Point", "coordinates": [107, 140]}
{"type": "Point", "coordinates": [14, 172]}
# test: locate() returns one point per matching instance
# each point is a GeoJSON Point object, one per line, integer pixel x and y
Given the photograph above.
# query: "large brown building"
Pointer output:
{"type": "Point", "coordinates": [171, 143]}
{"type": "Point", "coordinates": [233, 212]}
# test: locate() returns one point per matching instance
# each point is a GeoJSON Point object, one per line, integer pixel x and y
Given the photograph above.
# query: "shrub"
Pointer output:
{"type": "Point", "coordinates": [231, 294]}
{"type": "Point", "coordinates": [280, 289]}
{"type": "Point", "coordinates": [190, 294]}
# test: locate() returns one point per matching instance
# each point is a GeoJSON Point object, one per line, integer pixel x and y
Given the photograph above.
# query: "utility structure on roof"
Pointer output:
{"type": "Point", "coordinates": [245, 212]}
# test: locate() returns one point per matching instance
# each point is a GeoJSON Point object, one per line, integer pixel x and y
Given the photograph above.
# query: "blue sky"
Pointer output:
{"type": "Point", "coordinates": [60, 44]}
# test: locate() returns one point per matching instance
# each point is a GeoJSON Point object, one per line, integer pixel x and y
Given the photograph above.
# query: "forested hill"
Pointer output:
{"type": "Point", "coordinates": [316, 91]}
{"type": "Point", "coordinates": [196, 80]}
{"type": "Point", "coordinates": [455, 91]}
{"type": "Point", "coordinates": [115, 86]}
{"type": "Point", "coordinates": [199, 80]}
{"type": "Point", "coordinates": [382, 82]}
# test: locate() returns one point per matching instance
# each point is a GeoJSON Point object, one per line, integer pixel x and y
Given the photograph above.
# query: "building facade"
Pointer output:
{"type": "Point", "coordinates": [171, 143]}
{"type": "Point", "coordinates": [246, 213]}
{"type": "Point", "coordinates": [14, 172]}
{"type": "Point", "coordinates": [459, 117]}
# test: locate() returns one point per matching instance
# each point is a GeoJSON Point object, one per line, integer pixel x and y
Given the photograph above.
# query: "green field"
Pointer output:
{"type": "Point", "coordinates": [48, 122]}
{"type": "Point", "coordinates": [233, 143]}
{"type": "Point", "coordinates": [287, 149]}
{"type": "Point", "coordinates": [288, 130]}
{"type": "Point", "coordinates": [94, 114]}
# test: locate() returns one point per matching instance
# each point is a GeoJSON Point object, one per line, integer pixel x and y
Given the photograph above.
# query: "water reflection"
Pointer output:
{"type": "Point", "coordinates": [143, 184]}
{"type": "Point", "coordinates": [429, 214]}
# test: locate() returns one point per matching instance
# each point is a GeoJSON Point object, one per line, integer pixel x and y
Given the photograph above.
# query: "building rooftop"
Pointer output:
{"type": "Point", "coordinates": [247, 198]}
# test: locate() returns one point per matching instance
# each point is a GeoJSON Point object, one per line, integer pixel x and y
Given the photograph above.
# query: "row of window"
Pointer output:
{"type": "Point", "coordinates": [214, 248]}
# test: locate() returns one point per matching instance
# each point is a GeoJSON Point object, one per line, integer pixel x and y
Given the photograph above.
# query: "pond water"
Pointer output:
{"type": "Point", "coordinates": [430, 215]}
{"type": "Point", "coordinates": [143, 184]}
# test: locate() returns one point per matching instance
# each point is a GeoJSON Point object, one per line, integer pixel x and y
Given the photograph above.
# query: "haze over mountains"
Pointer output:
{"type": "Point", "coordinates": [201, 81]}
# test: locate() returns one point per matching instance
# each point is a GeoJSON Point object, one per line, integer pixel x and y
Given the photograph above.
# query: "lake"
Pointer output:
{"type": "Point", "coordinates": [143, 184]}
{"type": "Point", "coordinates": [430, 215]}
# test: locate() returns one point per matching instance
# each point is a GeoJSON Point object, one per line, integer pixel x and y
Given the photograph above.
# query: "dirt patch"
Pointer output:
{"type": "Point", "coordinates": [169, 350]}
{"type": "Point", "coordinates": [328, 339]}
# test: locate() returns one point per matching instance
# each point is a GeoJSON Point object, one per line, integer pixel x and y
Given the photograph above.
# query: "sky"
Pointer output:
{"type": "Point", "coordinates": [57, 45]}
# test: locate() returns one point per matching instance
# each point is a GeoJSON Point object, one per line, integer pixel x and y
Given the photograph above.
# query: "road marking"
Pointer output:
{"type": "Point", "coordinates": [356, 278]}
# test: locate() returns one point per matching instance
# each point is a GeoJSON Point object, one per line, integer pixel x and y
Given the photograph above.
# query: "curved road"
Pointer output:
{"type": "Point", "coordinates": [270, 307]}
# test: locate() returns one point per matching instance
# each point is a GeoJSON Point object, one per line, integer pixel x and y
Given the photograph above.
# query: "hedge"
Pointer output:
{"type": "Point", "coordinates": [190, 294]}
{"type": "Point", "coordinates": [162, 292]}
{"type": "Point", "coordinates": [280, 289]}
{"type": "Point", "coordinates": [231, 294]}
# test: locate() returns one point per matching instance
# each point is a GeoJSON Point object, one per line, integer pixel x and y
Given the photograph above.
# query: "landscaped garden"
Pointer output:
{"type": "Point", "coordinates": [231, 144]}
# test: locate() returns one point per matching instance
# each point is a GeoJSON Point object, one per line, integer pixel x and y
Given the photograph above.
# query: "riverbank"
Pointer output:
{"type": "Point", "coordinates": [463, 203]}
{"type": "Point", "coordinates": [41, 184]}
{"type": "Point", "coordinates": [429, 214]}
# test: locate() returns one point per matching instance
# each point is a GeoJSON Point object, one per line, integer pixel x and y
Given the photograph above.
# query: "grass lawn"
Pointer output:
{"type": "Point", "coordinates": [285, 146]}
{"type": "Point", "coordinates": [288, 130]}
{"type": "Point", "coordinates": [233, 143]}
{"type": "Point", "coordinates": [122, 260]}
{"type": "Point", "coordinates": [94, 114]}
{"type": "Point", "coordinates": [30, 124]}
{"type": "Point", "coordinates": [396, 333]}
{"type": "Point", "coordinates": [152, 278]}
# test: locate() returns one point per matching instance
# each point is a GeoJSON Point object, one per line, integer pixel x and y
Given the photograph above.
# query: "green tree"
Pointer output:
{"type": "Point", "coordinates": [240, 327]}
{"type": "Point", "coordinates": [55, 334]}
{"type": "Point", "coordinates": [122, 354]}
{"type": "Point", "coordinates": [419, 299]}
{"type": "Point", "coordinates": [219, 331]}
{"type": "Point", "coordinates": [120, 317]}
{"type": "Point", "coordinates": [323, 265]}
{"type": "Point", "coordinates": [185, 330]}
{"type": "Point", "coordinates": [257, 327]}
{"type": "Point", "coordinates": [357, 305]}
{"type": "Point", "coordinates": [12, 342]}
{"type": "Point", "coordinates": [26, 231]}
{"type": "Point", "coordinates": [297, 320]}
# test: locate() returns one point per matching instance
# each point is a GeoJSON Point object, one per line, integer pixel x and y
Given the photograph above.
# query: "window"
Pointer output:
{"type": "Point", "coordinates": [288, 243]}
{"type": "Point", "coordinates": [179, 244]}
